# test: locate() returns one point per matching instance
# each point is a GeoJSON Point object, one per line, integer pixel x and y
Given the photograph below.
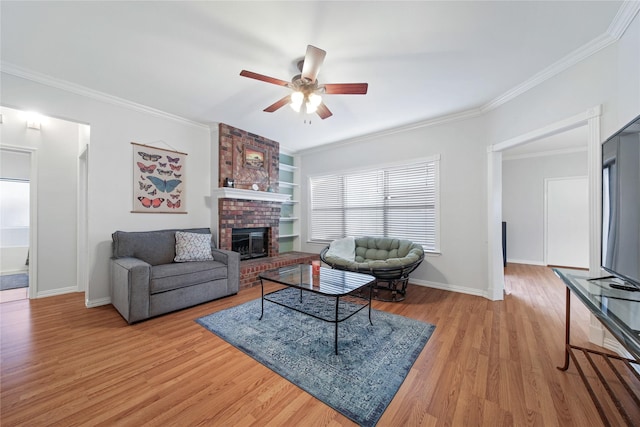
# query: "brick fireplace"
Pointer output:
{"type": "Point", "coordinates": [241, 206]}
{"type": "Point", "coordinates": [251, 161]}
{"type": "Point", "coordinates": [239, 213]}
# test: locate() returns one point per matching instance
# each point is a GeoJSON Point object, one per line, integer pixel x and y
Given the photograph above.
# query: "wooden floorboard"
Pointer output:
{"type": "Point", "coordinates": [487, 364]}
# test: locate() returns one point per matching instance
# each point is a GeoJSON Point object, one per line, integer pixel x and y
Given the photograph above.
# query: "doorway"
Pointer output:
{"type": "Point", "coordinates": [58, 179]}
{"type": "Point", "coordinates": [590, 118]}
{"type": "Point", "coordinates": [17, 234]}
{"type": "Point", "coordinates": [566, 222]}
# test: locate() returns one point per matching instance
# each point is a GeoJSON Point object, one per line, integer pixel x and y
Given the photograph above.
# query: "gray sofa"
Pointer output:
{"type": "Point", "coordinates": [146, 282]}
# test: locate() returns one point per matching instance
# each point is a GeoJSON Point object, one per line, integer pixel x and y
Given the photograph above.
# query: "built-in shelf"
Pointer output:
{"type": "Point", "coordinates": [286, 184]}
{"type": "Point", "coordinates": [288, 168]}
{"type": "Point", "coordinates": [289, 238]}
{"type": "Point", "coordinates": [236, 193]}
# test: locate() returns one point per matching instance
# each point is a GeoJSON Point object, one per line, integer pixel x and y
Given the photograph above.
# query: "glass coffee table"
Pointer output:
{"type": "Point", "coordinates": [332, 296]}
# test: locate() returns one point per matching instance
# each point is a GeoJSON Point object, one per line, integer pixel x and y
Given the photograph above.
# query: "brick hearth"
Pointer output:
{"type": "Point", "coordinates": [251, 268]}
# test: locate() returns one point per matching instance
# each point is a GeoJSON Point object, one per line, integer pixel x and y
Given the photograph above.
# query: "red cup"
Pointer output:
{"type": "Point", "coordinates": [315, 268]}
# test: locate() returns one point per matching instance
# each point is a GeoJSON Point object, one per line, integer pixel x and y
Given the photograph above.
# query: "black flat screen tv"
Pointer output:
{"type": "Point", "coordinates": [621, 204]}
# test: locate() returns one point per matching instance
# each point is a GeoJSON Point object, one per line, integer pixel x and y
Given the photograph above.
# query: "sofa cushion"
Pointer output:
{"type": "Point", "coordinates": [153, 247]}
{"type": "Point", "coordinates": [382, 249]}
{"type": "Point", "coordinates": [167, 277]}
{"type": "Point", "coordinates": [193, 247]}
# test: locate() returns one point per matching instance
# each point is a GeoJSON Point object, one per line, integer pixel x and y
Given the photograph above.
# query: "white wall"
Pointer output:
{"type": "Point", "coordinates": [523, 200]}
{"type": "Point", "coordinates": [461, 146]}
{"type": "Point", "coordinates": [113, 127]}
{"type": "Point", "coordinates": [610, 78]}
{"type": "Point", "coordinates": [56, 150]}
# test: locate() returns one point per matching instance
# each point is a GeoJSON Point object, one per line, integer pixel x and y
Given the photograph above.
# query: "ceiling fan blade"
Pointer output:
{"type": "Point", "coordinates": [263, 78]}
{"type": "Point", "coordinates": [346, 88]}
{"type": "Point", "coordinates": [278, 104]}
{"type": "Point", "coordinates": [323, 111]}
{"type": "Point", "coordinates": [312, 62]}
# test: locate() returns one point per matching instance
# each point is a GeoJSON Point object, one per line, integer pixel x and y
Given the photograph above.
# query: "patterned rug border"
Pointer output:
{"type": "Point", "coordinates": [308, 348]}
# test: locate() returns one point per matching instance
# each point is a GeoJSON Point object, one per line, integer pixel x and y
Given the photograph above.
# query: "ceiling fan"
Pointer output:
{"type": "Point", "coordinates": [307, 92]}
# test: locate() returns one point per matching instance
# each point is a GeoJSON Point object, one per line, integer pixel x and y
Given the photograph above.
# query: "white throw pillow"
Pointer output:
{"type": "Point", "coordinates": [193, 247]}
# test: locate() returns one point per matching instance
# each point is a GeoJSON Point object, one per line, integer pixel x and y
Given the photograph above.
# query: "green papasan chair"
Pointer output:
{"type": "Point", "coordinates": [389, 260]}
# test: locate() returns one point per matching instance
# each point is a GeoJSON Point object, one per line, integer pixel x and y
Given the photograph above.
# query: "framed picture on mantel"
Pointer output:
{"type": "Point", "coordinates": [254, 158]}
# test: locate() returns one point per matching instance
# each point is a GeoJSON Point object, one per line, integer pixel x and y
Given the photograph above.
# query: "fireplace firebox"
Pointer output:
{"type": "Point", "coordinates": [250, 242]}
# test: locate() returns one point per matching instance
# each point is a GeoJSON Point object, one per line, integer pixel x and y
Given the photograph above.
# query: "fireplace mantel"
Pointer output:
{"type": "Point", "coordinates": [236, 193]}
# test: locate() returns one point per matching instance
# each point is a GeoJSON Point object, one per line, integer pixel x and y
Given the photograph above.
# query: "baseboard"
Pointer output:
{"type": "Point", "coordinates": [97, 302]}
{"type": "Point", "coordinates": [59, 291]}
{"type": "Point", "coordinates": [612, 344]}
{"type": "Point", "coordinates": [10, 272]}
{"type": "Point", "coordinates": [596, 335]}
{"type": "Point", "coordinates": [451, 288]}
{"type": "Point", "coordinates": [525, 261]}
{"type": "Point", "coordinates": [73, 289]}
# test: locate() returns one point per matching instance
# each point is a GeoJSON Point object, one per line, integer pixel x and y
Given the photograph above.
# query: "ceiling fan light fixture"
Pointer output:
{"type": "Point", "coordinates": [311, 108]}
{"type": "Point", "coordinates": [315, 100]}
{"type": "Point", "coordinates": [311, 101]}
{"type": "Point", "coordinates": [297, 98]}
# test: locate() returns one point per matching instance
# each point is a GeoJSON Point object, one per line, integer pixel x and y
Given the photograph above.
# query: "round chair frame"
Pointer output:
{"type": "Point", "coordinates": [391, 282]}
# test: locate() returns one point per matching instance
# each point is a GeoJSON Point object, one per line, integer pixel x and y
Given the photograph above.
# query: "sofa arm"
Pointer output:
{"type": "Point", "coordinates": [130, 292]}
{"type": "Point", "coordinates": [232, 260]}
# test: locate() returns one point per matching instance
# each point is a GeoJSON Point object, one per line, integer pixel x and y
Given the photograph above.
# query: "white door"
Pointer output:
{"type": "Point", "coordinates": [567, 222]}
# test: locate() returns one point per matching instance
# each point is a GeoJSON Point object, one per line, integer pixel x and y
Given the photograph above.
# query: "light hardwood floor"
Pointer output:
{"type": "Point", "coordinates": [487, 364]}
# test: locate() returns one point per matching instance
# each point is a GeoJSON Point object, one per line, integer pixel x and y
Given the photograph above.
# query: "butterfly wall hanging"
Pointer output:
{"type": "Point", "coordinates": [157, 188]}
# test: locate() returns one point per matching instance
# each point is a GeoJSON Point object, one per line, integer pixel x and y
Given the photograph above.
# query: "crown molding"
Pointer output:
{"type": "Point", "coordinates": [623, 18]}
{"type": "Point", "coordinates": [625, 15]}
{"type": "Point", "coordinates": [568, 61]}
{"type": "Point", "coordinates": [47, 80]}
{"type": "Point", "coordinates": [463, 115]}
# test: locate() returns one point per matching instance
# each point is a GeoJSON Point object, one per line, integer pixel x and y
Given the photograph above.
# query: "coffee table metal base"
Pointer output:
{"type": "Point", "coordinates": [306, 302]}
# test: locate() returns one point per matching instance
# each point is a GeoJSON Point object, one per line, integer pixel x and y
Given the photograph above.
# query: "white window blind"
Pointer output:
{"type": "Point", "coordinates": [397, 201]}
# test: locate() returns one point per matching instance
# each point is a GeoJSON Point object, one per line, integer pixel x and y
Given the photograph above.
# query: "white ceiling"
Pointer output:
{"type": "Point", "coordinates": [422, 60]}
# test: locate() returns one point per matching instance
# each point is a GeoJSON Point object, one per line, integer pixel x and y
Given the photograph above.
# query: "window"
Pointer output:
{"type": "Point", "coordinates": [395, 201]}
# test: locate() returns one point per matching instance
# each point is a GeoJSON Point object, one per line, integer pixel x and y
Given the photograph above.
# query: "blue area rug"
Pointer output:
{"type": "Point", "coordinates": [14, 281]}
{"type": "Point", "coordinates": [359, 382]}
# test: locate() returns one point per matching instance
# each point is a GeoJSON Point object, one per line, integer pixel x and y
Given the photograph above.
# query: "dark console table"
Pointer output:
{"type": "Point", "coordinates": [619, 311]}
